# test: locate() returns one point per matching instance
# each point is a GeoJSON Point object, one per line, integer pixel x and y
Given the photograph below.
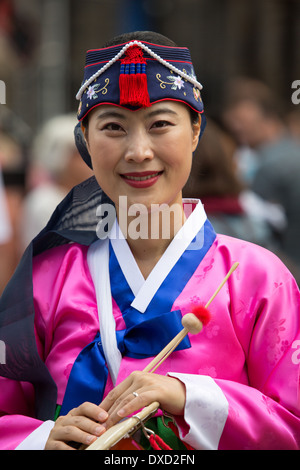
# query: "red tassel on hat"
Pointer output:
{"type": "Point", "coordinates": [133, 78]}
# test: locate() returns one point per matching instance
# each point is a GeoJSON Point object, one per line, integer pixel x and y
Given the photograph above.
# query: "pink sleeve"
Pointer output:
{"type": "Point", "coordinates": [256, 421]}
{"type": "Point", "coordinates": [16, 422]}
{"type": "Point", "coordinates": [266, 414]}
{"type": "Point", "coordinates": [66, 320]}
{"type": "Point", "coordinates": [255, 364]}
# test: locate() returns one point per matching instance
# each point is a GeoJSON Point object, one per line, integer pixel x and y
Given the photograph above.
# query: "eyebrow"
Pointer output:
{"type": "Point", "coordinates": [165, 110]}
{"type": "Point", "coordinates": [120, 115]}
{"type": "Point", "coordinates": [110, 113]}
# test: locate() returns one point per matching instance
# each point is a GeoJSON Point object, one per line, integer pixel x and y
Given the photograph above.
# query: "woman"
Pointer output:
{"type": "Point", "coordinates": [227, 387]}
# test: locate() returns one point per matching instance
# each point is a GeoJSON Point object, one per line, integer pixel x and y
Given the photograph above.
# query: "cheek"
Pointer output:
{"type": "Point", "coordinates": [103, 174]}
{"type": "Point", "coordinates": [102, 157]}
{"type": "Point", "coordinates": [101, 165]}
{"type": "Point", "coordinates": [179, 168]}
{"type": "Point", "coordinates": [179, 153]}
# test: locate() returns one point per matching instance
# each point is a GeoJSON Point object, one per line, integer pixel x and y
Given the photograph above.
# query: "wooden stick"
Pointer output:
{"type": "Point", "coordinates": [160, 358]}
{"type": "Point", "coordinates": [233, 268]}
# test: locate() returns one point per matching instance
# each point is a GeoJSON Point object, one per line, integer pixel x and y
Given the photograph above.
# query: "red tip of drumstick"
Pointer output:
{"type": "Point", "coordinates": [202, 313]}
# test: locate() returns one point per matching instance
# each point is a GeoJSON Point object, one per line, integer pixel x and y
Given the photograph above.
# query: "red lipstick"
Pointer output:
{"type": "Point", "coordinates": [141, 179]}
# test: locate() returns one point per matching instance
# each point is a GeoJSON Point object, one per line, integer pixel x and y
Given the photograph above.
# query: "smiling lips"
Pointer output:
{"type": "Point", "coordinates": [141, 179]}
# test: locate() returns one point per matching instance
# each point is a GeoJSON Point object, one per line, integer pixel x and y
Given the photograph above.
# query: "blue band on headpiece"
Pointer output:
{"type": "Point", "coordinates": [169, 70]}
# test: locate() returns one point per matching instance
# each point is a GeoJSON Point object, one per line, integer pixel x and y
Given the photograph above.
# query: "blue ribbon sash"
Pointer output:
{"type": "Point", "coordinates": [89, 373]}
{"type": "Point", "coordinates": [145, 335]}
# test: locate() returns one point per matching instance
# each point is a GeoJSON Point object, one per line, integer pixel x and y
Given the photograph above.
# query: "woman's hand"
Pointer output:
{"type": "Point", "coordinates": [81, 425]}
{"type": "Point", "coordinates": [121, 402]}
{"type": "Point", "coordinates": [84, 424]}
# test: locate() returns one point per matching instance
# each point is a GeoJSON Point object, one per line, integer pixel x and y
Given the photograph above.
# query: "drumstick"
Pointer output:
{"type": "Point", "coordinates": [192, 323]}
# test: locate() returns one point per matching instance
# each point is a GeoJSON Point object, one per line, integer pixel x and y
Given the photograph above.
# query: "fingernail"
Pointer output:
{"type": "Point", "coordinates": [102, 416]}
{"type": "Point", "coordinates": [121, 412]}
{"type": "Point", "coordinates": [89, 439]}
{"type": "Point", "coordinates": [99, 430]}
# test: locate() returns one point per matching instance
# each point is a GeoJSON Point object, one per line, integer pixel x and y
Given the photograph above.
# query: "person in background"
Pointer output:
{"type": "Point", "coordinates": [253, 115]}
{"type": "Point", "coordinates": [56, 167]}
{"type": "Point", "coordinates": [15, 138]}
{"type": "Point", "coordinates": [232, 207]}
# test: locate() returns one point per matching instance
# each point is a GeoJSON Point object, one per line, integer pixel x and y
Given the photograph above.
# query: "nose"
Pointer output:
{"type": "Point", "coordinates": [138, 147]}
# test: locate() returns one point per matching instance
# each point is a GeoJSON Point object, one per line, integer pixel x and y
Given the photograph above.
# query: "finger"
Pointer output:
{"type": "Point", "coordinates": [131, 384]}
{"type": "Point", "coordinates": [115, 395]}
{"type": "Point", "coordinates": [115, 404]}
{"type": "Point", "coordinates": [90, 410]}
{"type": "Point", "coordinates": [80, 425]}
{"type": "Point", "coordinates": [67, 437]}
{"type": "Point", "coordinates": [87, 425]}
{"type": "Point", "coordinates": [130, 405]}
{"type": "Point", "coordinates": [142, 399]}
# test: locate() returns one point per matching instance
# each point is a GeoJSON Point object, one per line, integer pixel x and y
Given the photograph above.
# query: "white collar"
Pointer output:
{"type": "Point", "coordinates": [144, 290]}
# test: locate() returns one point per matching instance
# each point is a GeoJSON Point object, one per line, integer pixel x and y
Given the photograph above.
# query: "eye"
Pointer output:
{"type": "Point", "coordinates": [160, 124]}
{"type": "Point", "coordinates": [113, 127]}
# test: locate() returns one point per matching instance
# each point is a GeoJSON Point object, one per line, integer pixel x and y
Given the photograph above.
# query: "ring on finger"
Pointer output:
{"type": "Point", "coordinates": [135, 394]}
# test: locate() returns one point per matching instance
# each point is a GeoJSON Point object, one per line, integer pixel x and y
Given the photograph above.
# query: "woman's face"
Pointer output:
{"type": "Point", "coordinates": [145, 155]}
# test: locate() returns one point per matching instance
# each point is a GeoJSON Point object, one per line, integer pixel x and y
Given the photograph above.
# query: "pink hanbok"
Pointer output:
{"type": "Point", "coordinates": [241, 372]}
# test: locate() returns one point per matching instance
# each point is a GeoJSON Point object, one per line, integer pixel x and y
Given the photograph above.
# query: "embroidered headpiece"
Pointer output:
{"type": "Point", "coordinates": [134, 75]}
{"type": "Point", "coordinates": [138, 74]}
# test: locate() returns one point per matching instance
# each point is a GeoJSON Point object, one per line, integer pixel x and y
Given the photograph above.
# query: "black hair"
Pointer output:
{"type": "Point", "coordinates": [147, 36]}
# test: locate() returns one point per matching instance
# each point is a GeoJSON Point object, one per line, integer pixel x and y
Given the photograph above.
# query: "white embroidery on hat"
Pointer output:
{"type": "Point", "coordinates": [151, 53]}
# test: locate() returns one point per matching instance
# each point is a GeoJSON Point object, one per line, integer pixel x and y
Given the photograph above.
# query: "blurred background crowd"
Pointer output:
{"type": "Point", "coordinates": [246, 53]}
